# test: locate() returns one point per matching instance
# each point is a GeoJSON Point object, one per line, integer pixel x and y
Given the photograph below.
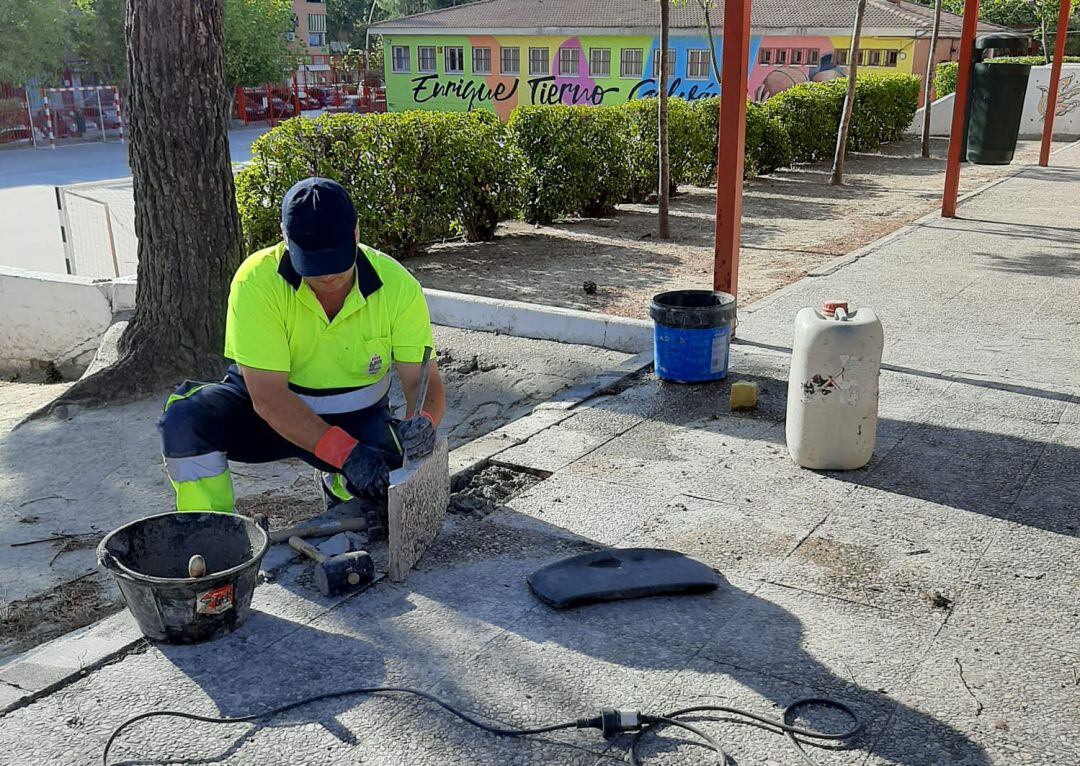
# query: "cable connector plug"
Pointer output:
{"type": "Point", "coordinates": [611, 721]}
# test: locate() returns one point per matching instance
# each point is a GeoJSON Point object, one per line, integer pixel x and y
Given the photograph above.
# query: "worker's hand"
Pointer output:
{"type": "Point", "coordinates": [417, 436]}
{"type": "Point", "coordinates": [366, 473]}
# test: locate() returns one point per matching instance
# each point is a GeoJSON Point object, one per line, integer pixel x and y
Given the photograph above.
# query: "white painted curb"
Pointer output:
{"type": "Point", "coordinates": [531, 320]}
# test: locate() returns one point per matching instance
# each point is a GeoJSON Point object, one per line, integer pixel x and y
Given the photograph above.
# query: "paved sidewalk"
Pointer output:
{"type": "Point", "coordinates": [935, 590]}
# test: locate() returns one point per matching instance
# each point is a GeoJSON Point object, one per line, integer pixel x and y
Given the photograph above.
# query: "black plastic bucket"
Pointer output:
{"type": "Point", "coordinates": [149, 559]}
{"type": "Point", "coordinates": [692, 334]}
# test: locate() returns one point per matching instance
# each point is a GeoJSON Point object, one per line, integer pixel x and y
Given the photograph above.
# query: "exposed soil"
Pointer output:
{"type": "Point", "coordinates": [62, 609]}
{"type": "Point", "coordinates": [793, 221]}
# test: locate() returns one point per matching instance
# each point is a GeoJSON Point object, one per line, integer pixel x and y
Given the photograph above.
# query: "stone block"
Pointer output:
{"type": "Point", "coordinates": [418, 496]}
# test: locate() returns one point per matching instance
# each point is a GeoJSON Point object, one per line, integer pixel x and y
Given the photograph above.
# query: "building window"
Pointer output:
{"type": "Point", "coordinates": [454, 59]}
{"type": "Point", "coordinates": [697, 65]}
{"type": "Point", "coordinates": [813, 56]}
{"type": "Point", "coordinates": [510, 60]}
{"type": "Point", "coordinates": [781, 57]}
{"type": "Point", "coordinates": [316, 27]}
{"type": "Point", "coordinates": [568, 62]}
{"type": "Point", "coordinates": [425, 58]}
{"type": "Point", "coordinates": [538, 61]}
{"type": "Point", "coordinates": [600, 62]}
{"type": "Point", "coordinates": [400, 59]}
{"type": "Point", "coordinates": [670, 63]}
{"type": "Point", "coordinates": [481, 60]}
{"type": "Point", "coordinates": [765, 56]}
{"type": "Point", "coordinates": [875, 57]}
{"type": "Point", "coordinates": [630, 60]}
{"type": "Point", "coordinates": [798, 57]}
{"type": "Point", "coordinates": [842, 57]}
{"type": "Point", "coordinates": [892, 58]}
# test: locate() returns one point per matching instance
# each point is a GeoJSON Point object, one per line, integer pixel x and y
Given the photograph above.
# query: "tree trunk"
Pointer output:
{"type": "Point", "coordinates": [929, 79]}
{"type": "Point", "coordinates": [1045, 45]}
{"type": "Point", "coordinates": [712, 42]}
{"type": "Point", "coordinates": [849, 98]}
{"type": "Point", "coordinates": [185, 205]}
{"type": "Point", "coordinates": [664, 192]}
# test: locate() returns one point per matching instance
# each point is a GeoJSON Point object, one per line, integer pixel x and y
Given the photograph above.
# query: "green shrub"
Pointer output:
{"type": "Point", "coordinates": [885, 105]}
{"type": "Point", "coordinates": [810, 113]}
{"type": "Point", "coordinates": [414, 176]}
{"type": "Point", "coordinates": [945, 72]}
{"type": "Point", "coordinates": [689, 145]}
{"type": "Point", "coordinates": [768, 145]}
{"type": "Point", "coordinates": [576, 159]}
{"type": "Point", "coordinates": [944, 78]}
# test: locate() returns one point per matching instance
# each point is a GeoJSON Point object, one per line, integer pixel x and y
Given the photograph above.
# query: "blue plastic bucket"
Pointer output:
{"type": "Point", "coordinates": [692, 335]}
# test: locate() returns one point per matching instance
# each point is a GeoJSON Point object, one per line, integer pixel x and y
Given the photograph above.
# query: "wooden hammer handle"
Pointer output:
{"type": "Point", "coordinates": [318, 529]}
{"type": "Point", "coordinates": [309, 550]}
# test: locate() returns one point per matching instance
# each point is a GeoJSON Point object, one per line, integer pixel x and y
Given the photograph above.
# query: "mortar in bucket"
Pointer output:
{"type": "Point", "coordinates": [692, 334]}
{"type": "Point", "coordinates": [149, 559]}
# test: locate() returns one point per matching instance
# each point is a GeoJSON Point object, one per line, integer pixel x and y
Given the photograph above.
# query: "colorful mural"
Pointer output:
{"type": "Point", "coordinates": [464, 72]}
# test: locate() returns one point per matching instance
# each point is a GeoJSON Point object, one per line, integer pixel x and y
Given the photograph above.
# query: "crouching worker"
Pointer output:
{"type": "Point", "coordinates": [313, 326]}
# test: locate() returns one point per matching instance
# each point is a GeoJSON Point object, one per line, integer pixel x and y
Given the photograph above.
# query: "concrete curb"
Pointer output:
{"type": "Point", "coordinates": [28, 677]}
{"type": "Point", "coordinates": [532, 320]}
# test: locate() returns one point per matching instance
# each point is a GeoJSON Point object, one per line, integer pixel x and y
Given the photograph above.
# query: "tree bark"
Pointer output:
{"type": "Point", "coordinates": [1045, 45]}
{"type": "Point", "coordinates": [185, 205]}
{"type": "Point", "coordinates": [849, 98]}
{"type": "Point", "coordinates": [929, 79]}
{"type": "Point", "coordinates": [664, 192]}
{"type": "Point", "coordinates": [712, 41]}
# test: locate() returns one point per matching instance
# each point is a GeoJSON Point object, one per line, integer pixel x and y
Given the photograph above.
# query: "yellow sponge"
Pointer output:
{"type": "Point", "coordinates": [743, 395]}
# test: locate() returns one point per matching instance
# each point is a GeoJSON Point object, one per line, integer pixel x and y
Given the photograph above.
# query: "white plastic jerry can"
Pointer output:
{"type": "Point", "coordinates": [833, 387]}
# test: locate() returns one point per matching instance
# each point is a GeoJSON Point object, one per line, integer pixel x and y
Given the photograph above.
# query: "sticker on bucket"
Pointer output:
{"type": "Point", "coordinates": [215, 601]}
{"type": "Point", "coordinates": [720, 346]}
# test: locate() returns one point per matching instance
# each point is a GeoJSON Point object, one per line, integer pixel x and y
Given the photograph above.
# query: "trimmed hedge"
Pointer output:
{"type": "Point", "coordinates": [583, 160]}
{"type": "Point", "coordinates": [810, 113]}
{"type": "Point", "coordinates": [421, 176]}
{"type": "Point", "coordinates": [569, 153]}
{"type": "Point", "coordinates": [945, 72]}
{"type": "Point", "coordinates": [414, 177]}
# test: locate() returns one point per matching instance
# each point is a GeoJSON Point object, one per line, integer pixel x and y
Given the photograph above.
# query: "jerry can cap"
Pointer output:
{"type": "Point", "coordinates": [828, 308]}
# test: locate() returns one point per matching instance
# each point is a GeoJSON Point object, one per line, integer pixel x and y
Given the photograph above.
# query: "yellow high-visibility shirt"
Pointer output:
{"type": "Point", "coordinates": [275, 322]}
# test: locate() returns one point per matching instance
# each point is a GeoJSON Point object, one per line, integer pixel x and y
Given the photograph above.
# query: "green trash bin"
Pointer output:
{"type": "Point", "coordinates": [995, 101]}
{"type": "Point", "coordinates": [997, 106]}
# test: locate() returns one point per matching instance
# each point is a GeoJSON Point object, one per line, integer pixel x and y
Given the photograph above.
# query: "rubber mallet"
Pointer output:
{"type": "Point", "coordinates": [335, 574]}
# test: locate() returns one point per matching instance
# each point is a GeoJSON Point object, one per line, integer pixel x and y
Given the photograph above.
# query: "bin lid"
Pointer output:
{"type": "Point", "coordinates": [1003, 41]}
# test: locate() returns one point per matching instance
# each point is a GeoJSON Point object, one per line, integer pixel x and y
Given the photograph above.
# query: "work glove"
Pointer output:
{"type": "Point", "coordinates": [364, 469]}
{"type": "Point", "coordinates": [417, 436]}
{"type": "Point", "coordinates": [366, 472]}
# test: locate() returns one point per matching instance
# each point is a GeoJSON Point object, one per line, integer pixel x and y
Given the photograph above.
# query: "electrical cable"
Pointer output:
{"type": "Point", "coordinates": [610, 722]}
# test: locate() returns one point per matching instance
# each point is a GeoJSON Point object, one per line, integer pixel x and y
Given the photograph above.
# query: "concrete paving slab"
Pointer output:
{"type": "Point", "coordinates": [739, 541]}
{"type": "Point", "coordinates": [863, 555]}
{"type": "Point", "coordinates": [548, 668]}
{"type": "Point", "coordinates": [1014, 701]}
{"type": "Point", "coordinates": [600, 511]}
{"type": "Point", "coordinates": [976, 470]}
{"type": "Point", "coordinates": [1049, 498]}
{"type": "Point", "coordinates": [826, 643]}
{"type": "Point", "coordinates": [1024, 588]}
{"type": "Point", "coordinates": [563, 443]}
{"type": "Point", "coordinates": [706, 682]}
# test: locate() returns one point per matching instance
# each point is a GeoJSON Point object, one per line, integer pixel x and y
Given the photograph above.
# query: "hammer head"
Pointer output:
{"type": "Point", "coordinates": [340, 573]}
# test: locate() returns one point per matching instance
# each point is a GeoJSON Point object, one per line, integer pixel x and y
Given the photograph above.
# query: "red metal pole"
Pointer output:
{"type": "Point", "coordinates": [731, 138]}
{"type": "Point", "coordinates": [270, 104]}
{"type": "Point", "coordinates": [960, 102]}
{"type": "Point", "coordinates": [1055, 78]}
{"type": "Point", "coordinates": [241, 104]}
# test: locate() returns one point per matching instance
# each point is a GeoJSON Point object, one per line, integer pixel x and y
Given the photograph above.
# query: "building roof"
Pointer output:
{"type": "Point", "coordinates": [539, 17]}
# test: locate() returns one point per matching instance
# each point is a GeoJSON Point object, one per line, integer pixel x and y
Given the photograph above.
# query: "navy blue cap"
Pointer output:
{"type": "Point", "coordinates": [320, 224]}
